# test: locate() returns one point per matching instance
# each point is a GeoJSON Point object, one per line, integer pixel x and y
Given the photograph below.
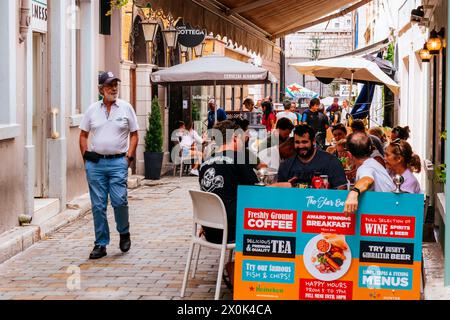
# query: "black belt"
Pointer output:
{"type": "Point", "coordinates": [113, 156]}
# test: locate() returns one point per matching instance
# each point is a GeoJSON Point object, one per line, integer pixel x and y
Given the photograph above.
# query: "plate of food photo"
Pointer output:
{"type": "Point", "coordinates": [327, 257]}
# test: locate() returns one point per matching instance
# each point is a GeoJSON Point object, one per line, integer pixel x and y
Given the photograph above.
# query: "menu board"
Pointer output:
{"type": "Point", "coordinates": [297, 244]}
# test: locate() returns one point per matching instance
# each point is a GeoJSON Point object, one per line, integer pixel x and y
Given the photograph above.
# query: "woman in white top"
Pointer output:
{"type": "Point", "coordinates": [400, 159]}
{"type": "Point", "coordinates": [189, 142]}
{"type": "Point", "coordinates": [346, 113]}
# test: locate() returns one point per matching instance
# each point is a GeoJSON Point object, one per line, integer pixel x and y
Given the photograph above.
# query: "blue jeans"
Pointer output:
{"type": "Point", "coordinates": [108, 177]}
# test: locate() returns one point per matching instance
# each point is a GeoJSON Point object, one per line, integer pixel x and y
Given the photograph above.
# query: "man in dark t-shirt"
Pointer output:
{"type": "Point", "coordinates": [223, 172]}
{"type": "Point", "coordinates": [310, 161]}
{"type": "Point", "coordinates": [317, 120]}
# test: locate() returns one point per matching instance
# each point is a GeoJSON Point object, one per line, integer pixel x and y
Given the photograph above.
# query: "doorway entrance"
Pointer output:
{"type": "Point", "coordinates": [40, 113]}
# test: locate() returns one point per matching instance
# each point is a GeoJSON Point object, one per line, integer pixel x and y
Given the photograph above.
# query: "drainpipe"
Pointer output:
{"type": "Point", "coordinates": [25, 20]}
{"type": "Point", "coordinates": [283, 66]}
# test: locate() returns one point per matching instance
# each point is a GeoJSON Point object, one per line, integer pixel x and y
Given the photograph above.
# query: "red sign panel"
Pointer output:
{"type": "Point", "coordinates": [311, 289]}
{"type": "Point", "coordinates": [326, 222]}
{"type": "Point", "coordinates": [387, 226]}
{"type": "Point", "coordinates": [270, 220]}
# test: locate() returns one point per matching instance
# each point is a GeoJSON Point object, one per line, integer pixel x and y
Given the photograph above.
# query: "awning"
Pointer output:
{"type": "Point", "coordinates": [213, 69]}
{"type": "Point", "coordinates": [370, 49]}
{"type": "Point", "coordinates": [297, 91]}
{"type": "Point", "coordinates": [253, 24]}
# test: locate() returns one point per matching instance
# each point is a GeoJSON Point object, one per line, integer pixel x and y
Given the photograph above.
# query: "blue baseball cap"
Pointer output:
{"type": "Point", "coordinates": [106, 78]}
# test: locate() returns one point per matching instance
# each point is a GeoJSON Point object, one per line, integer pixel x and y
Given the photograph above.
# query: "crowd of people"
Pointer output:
{"type": "Point", "coordinates": [358, 159]}
{"type": "Point", "coordinates": [297, 149]}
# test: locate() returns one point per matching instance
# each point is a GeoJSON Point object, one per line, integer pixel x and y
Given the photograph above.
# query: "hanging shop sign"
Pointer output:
{"type": "Point", "coordinates": [344, 90]}
{"type": "Point", "coordinates": [305, 248]}
{"type": "Point", "coordinates": [39, 15]}
{"type": "Point", "coordinates": [190, 37]}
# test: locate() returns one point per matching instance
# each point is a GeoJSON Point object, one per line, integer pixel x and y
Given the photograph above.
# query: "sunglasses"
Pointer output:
{"type": "Point", "coordinates": [397, 143]}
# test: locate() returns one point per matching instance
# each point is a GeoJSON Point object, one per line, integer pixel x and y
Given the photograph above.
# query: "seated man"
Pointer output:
{"type": "Point", "coordinates": [274, 156]}
{"type": "Point", "coordinates": [310, 161]}
{"type": "Point", "coordinates": [370, 175]}
{"type": "Point", "coordinates": [282, 133]}
{"type": "Point", "coordinates": [223, 172]}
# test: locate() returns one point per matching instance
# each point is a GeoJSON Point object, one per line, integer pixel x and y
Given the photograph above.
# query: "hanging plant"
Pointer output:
{"type": "Point", "coordinates": [116, 5]}
{"type": "Point", "coordinates": [443, 135]}
{"type": "Point", "coordinates": [440, 173]}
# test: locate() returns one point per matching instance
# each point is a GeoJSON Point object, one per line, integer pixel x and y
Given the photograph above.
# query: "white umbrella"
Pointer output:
{"type": "Point", "coordinates": [349, 68]}
{"type": "Point", "coordinates": [213, 70]}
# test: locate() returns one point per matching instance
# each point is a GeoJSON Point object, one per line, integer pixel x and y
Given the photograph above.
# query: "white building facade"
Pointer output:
{"type": "Point", "coordinates": [322, 41]}
{"type": "Point", "coordinates": [49, 67]}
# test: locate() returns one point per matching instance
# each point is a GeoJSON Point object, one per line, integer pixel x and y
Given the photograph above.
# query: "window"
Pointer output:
{"type": "Point", "coordinates": [8, 88]}
{"type": "Point", "coordinates": [105, 21]}
{"type": "Point", "coordinates": [233, 97]}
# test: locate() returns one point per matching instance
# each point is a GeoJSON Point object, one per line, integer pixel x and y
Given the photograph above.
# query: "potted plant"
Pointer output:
{"type": "Point", "coordinates": [153, 155]}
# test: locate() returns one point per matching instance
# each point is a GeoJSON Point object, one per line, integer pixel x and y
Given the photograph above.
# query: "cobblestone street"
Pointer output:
{"type": "Point", "coordinates": [161, 223]}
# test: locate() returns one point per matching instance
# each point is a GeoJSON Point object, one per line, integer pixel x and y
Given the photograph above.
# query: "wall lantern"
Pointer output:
{"type": "Point", "coordinates": [424, 54]}
{"type": "Point", "coordinates": [417, 14]}
{"type": "Point", "coordinates": [149, 27]}
{"type": "Point", "coordinates": [434, 44]}
{"type": "Point", "coordinates": [183, 49]}
{"type": "Point", "coordinates": [171, 36]}
{"type": "Point", "coordinates": [199, 49]}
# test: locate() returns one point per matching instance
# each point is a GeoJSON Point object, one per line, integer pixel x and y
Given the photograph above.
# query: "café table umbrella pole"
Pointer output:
{"type": "Point", "coordinates": [215, 110]}
{"type": "Point", "coordinates": [351, 88]}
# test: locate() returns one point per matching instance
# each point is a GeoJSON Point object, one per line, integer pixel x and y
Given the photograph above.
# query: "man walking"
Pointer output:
{"type": "Point", "coordinates": [114, 128]}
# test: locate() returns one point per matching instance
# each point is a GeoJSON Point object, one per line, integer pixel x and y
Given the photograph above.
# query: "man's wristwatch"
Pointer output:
{"type": "Point", "coordinates": [130, 158]}
{"type": "Point", "coordinates": [356, 190]}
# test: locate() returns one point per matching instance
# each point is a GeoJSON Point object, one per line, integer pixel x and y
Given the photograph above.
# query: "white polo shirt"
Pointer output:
{"type": "Point", "coordinates": [110, 135]}
{"type": "Point", "coordinates": [287, 114]}
{"type": "Point", "coordinates": [373, 169]}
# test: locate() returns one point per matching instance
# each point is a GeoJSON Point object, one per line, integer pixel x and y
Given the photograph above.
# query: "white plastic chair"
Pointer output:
{"type": "Point", "coordinates": [208, 211]}
{"type": "Point", "coordinates": [185, 159]}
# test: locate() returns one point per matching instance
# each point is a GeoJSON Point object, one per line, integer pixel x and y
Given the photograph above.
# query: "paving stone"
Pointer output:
{"type": "Point", "coordinates": [161, 225]}
{"type": "Point", "coordinates": [160, 215]}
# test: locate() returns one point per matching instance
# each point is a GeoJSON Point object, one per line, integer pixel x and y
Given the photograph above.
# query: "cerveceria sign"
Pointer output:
{"type": "Point", "coordinates": [190, 37]}
{"type": "Point", "coordinates": [39, 15]}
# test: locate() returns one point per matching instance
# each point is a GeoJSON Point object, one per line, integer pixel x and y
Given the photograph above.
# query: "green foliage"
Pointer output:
{"type": "Point", "coordinates": [391, 53]}
{"type": "Point", "coordinates": [195, 111]}
{"type": "Point", "coordinates": [440, 173]}
{"type": "Point", "coordinates": [154, 135]}
{"type": "Point", "coordinates": [443, 135]}
{"type": "Point", "coordinates": [116, 4]}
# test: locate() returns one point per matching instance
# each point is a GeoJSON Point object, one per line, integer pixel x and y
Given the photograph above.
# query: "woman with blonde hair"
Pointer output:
{"type": "Point", "coordinates": [400, 159]}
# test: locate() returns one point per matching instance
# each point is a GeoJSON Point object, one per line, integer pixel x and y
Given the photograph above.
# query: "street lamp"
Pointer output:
{"type": "Point", "coordinates": [434, 44]}
{"type": "Point", "coordinates": [150, 27]}
{"type": "Point", "coordinates": [199, 49]}
{"type": "Point", "coordinates": [424, 54]}
{"type": "Point", "coordinates": [184, 51]}
{"type": "Point", "coordinates": [171, 37]}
